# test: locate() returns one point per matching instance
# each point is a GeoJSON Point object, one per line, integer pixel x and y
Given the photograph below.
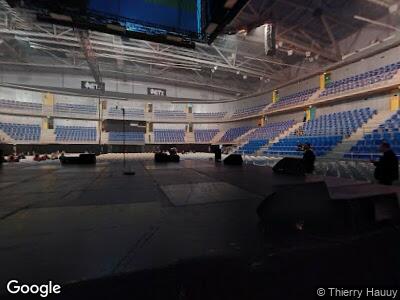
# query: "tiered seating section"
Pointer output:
{"type": "Point", "coordinates": [21, 132]}
{"type": "Point", "coordinates": [205, 135]}
{"type": "Point", "coordinates": [209, 115]}
{"type": "Point", "coordinates": [368, 147]}
{"type": "Point", "coordinates": [130, 113]}
{"type": "Point", "coordinates": [323, 133]}
{"type": "Point", "coordinates": [75, 134]}
{"type": "Point", "coordinates": [20, 105]}
{"type": "Point", "coordinates": [130, 137]}
{"type": "Point", "coordinates": [170, 114]}
{"type": "Point", "coordinates": [248, 111]}
{"type": "Point", "coordinates": [233, 133]}
{"type": "Point", "coordinates": [261, 136]}
{"type": "Point", "coordinates": [360, 80]}
{"type": "Point", "coordinates": [293, 99]}
{"type": "Point", "coordinates": [169, 135]}
{"type": "Point", "coordinates": [81, 109]}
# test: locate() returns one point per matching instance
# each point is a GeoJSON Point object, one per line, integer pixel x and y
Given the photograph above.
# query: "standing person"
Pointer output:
{"type": "Point", "coordinates": [308, 159]}
{"type": "Point", "coordinates": [387, 168]}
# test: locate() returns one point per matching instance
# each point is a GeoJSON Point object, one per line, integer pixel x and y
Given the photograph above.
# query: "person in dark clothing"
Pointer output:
{"type": "Point", "coordinates": [308, 159]}
{"type": "Point", "coordinates": [387, 168]}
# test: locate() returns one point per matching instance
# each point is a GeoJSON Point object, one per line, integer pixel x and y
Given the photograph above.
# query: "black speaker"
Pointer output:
{"type": "Point", "coordinates": [82, 159]}
{"type": "Point", "coordinates": [174, 158]}
{"type": "Point", "coordinates": [234, 159]}
{"type": "Point", "coordinates": [290, 166]}
{"type": "Point", "coordinates": [308, 208]}
{"type": "Point", "coordinates": [161, 157]}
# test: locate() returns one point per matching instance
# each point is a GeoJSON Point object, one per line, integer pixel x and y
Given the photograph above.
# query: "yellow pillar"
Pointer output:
{"type": "Point", "coordinates": [48, 99]}
{"type": "Point", "coordinates": [275, 96]}
{"type": "Point", "coordinates": [45, 124]}
{"type": "Point", "coordinates": [394, 102]}
{"type": "Point", "coordinates": [322, 81]}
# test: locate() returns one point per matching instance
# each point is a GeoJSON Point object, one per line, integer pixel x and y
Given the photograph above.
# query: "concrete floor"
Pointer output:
{"type": "Point", "coordinates": [74, 223]}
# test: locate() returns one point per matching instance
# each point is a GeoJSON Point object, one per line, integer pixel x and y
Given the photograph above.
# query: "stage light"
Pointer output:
{"type": "Point", "coordinates": [290, 52]}
{"type": "Point", "coordinates": [63, 18]}
{"type": "Point", "coordinates": [229, 4]}
{"type": "Point", "coordinates": [237, 72]}
{"type": "Point", "coordinates": [244, 76]}
{"type": "Point", "coordinates": [211, 28]}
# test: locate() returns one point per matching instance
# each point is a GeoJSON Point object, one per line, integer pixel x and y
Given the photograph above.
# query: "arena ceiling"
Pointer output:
{"type": "Point", "coordinates": [308, 37]}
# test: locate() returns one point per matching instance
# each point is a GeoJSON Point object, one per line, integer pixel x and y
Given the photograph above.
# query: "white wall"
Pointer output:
{"type": "Point", "coordinates": [112, 85]}
{"type": "Point", "coordinates": [68, 122]}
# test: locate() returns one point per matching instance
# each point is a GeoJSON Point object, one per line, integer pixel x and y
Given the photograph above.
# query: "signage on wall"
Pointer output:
{"type": "Point", "coordinates": [156, 92]}
{"type": "Point", "coordinates": [90, 85]}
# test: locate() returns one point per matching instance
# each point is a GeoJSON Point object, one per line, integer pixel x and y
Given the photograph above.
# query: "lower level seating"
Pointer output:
{"type": "Point", "coordinates": [368, 146]}
{"type": "Point", "coordinates": [323, 133]}
{"type": "Point", "coordinates": [204, 135]}
{"type": "Point", "coordinates": [75, 134]}
{"type": "Point", "coordinates": [233, 133]}
{"type": "Point", "coordinates": [21, 132]}
{"type": "Point", "coordinates": [115, 136]}
{"type": "Point", "coordinates": [252, 146]}
{"type": "Point", "coordinates": [169, 135]}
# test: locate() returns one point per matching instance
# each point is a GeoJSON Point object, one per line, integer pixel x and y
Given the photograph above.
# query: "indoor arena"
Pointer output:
{"type": "Point", "coordinates": [199, 149]}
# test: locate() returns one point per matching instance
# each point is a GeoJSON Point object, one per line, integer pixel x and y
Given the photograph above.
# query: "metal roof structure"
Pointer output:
{"type": "Point", "coordinates": [309, 35]}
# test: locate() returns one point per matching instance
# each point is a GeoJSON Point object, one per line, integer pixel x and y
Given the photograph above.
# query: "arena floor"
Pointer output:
{"type": "Point", "coordinates": [74, 223]}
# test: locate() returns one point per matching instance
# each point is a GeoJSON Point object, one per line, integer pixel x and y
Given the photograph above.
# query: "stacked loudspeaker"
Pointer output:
{"type": "Point", "coordinates": [309, 208]}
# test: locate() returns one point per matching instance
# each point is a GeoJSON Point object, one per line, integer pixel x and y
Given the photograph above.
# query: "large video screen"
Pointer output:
{"type": "Point", "coordinates": [178, 15]}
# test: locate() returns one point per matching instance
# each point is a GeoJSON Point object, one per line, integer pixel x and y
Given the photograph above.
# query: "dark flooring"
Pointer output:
{"type": "Point", "coordinates": [71, 224]}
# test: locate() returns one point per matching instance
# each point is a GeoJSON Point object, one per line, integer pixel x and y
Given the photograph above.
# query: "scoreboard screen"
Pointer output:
{"type": "Point", "coordinates": [183, 16]}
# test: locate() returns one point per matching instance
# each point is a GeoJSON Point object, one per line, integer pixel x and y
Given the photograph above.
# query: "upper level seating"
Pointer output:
{"type": "Point", "coordinates": [368, 146]}
{"type": "Point", "coordinates": [134, 136]}
{"type": "Point", "coordinates": [248, 111]}
{"type": "Point", "coordinates": [293, 99]}
{"type": "Point", "coordinates": [204, 135]}
{"type": "Point", "coordinates": [261, 136]}
{"type": "Point", "coordinates": [21, 132]}
{"type": "Point", "coordinates": [129, 113]}
{"type": "Point", "coordinates": [233, 133]}
{"type": "Point", "coordinates": [323, 133]}
{"type": "Point", "coordinates": [173, 114]}
{"type": "Point", "coordinates": [210, 115]}
{"type": "Point", "coordinates": [20, 105]}
{"type": "Point", "coordinates": [75, 133]}
{"type": "Point", "coordinates": [75, 108]}
{"type": "Point", "coordinates": [169, 135]}
{"type": "Point", "coordinates": [360, 80]}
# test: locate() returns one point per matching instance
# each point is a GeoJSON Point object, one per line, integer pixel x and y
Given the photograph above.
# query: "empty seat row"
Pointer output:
{"type": "Point", "coordinates": [20, 105]}
{"type": "Point", "coordinates": [170, 114]}
{"type": "Point", "coordinates": [75, 108]}
{"type": "Point", "coordinates": [21, 132]}
{"type": "Point", "coordinates": [361, 80]}
{"type": "Point", "coordinates": [233, 133]}
{"type": "Point", "coordinates": [323, 133]}
{"type": "Point", "coordinates": [248, 111]}
{"type": "Point", "coordinates": [75, 134]}
{"type": "Point", "coordinates": [261, 136]}
{"type": "Point", "coordinates": [116, 136]}
{"type": "Point", "coordinates": [204, 135]}
{"type": "Point", "coordinates": [293, 99]}
{"type": "Point", "coordinates": [169, 135]}
{"type": "Point", "coordinates": [368, 146]}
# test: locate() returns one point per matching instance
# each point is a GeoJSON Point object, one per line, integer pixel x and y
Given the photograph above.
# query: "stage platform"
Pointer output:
{"type": "Point", "coordinates": [76, 223]}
